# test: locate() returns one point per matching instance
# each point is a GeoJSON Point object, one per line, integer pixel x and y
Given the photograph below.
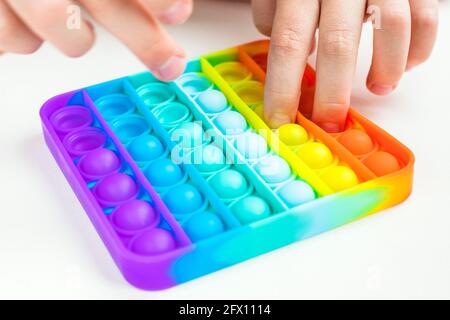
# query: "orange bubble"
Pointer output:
{"type": "Point", "coordinates": [382, 163]}
{"type": "Point", "coordinates": [356, 141]}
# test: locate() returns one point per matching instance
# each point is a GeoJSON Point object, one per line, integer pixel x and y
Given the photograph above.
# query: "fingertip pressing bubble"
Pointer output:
{"type": "Point", "coordinates": [134, 215]}
{"type": "Point", "coordinates": [183, 199]}
{"type": "Point", "coordinates": [212, 101]}
{"type": "Point", "coordinates": [356, 141]}
{"type": "Point", "coordinates": [251, 145]}
{"type": "Point", "coordinates": [296, 193]}
{"type": "Point", "coordinates": [273, 169]}
{"type": "Point", "coordinates": [229, 184]}
{"type": "Point", "coordinates": [382, 163]}
{"type": "Point", "coordinates": [153, 242]}
{"type": "Point", "coordinates": [316, 155]}
{"type": "Point", "coordinates": [340, 178]}
{"type": "Point", "coordinates": [293, 134]}
{"type": "Point", "coordinates": [203, 225]}
{"type": "Point", "coordinates": [99, 163]}
{"type": "Point", "coordinates": [251, 209]}
{"type": "Point", "coordinates": [116, 188]}
{"type": "Point", "coordinates": [231, 123]}
{"type": "Point", "coordinates": [164, 173]}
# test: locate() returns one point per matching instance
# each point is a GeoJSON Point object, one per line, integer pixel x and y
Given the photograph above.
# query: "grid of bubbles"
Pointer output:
{"type": "Point", "coordinates": [315, 154]}
{"type": "Point", "coordinates": [113, 183]}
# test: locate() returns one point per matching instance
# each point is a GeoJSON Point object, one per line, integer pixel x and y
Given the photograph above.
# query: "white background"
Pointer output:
{"type": "Point", "coordinates": [49, 249]}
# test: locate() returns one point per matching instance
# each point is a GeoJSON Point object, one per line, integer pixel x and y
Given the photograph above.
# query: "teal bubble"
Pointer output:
{"type": "Point", "coordinates": [146, 148]}
{"type": "Point", "coordinates": [273, 169]}
{"type": "Point", "coordinates": [229, 184]}
{"type": "Point", "coordinates": [212, 101]}
{"type": "Point", "coordinates": [203, 225]}
{"type": "Point", "coordinates": [209, 158]}
{"type": "Point", "coordinates": [296, 193]}
{"type": "Point", "coordinates": [251, 209]}
{"type": "Point", "coordinates": [163, 173]}
{"type": "Point", "coordinates": [231, 123]}
{"type": "Point", "coordinates": [251, 145]}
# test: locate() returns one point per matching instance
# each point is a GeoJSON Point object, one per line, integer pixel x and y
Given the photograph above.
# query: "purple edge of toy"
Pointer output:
{"type": "Point", "coordinates": [146, 272]}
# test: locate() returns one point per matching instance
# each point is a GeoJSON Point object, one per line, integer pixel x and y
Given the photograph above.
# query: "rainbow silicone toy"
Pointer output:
{"type": "Point", "coordinates": [184, 178]}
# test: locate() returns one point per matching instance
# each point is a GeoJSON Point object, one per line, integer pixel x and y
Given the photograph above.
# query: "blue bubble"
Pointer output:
{"type": "Point", "coordinates": [273, 169]}
{"type": "Point", "coordinates": [189, 135]}
{"type": "Point", "coordinates": [146, 148]}
{"type": "Point", "coordinates": [203, 225]}
{"type": "Point", "coordinates": [229, 184]}
{"type": "Point", "coordinates": [212, 101]}
{"type": "Point", "coordinates": [163, 173]}
{"type": "Point", "coordinates": [251, 145]}
{"type": "Point", "coordinates": [296, 193]}
{"type": "Point", "coordinates": [231, 123]}
{"type": "Point", "coordinates": [183, 199]}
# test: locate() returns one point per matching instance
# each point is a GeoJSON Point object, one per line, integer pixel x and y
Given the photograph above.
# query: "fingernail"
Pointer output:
{"type": "Point", "coordinates": [381, 90]}
{"type": "Point", "coordinates": [330, 127]}
{"type": "Point", "coordinates": [177, 14]}
{"type": "Point", "coordinates": [170, 70]}
{"type": "Point", "coordinates": [276, 120]}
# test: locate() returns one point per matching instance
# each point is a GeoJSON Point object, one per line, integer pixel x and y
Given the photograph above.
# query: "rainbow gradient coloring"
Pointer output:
{"type": "Point", "coordinates": [182, 179]}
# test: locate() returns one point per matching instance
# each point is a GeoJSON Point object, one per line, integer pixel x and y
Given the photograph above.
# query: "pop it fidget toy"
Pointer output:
{"type": "Point", "coordinates": [184, 178]}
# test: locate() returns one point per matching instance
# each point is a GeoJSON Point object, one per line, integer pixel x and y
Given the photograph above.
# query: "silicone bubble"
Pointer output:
{"type": "Point", "coordinates": [83, 141]}
{"type": "Point", "coordinates": [164, 173]}
{"type": "Point", "coordinates": [259, 110]}
{"type": "Point", "coordinates": [296, 193]}
{"type": "Point", "coordinates": [273, 169]}
{"type": "Point", "coordinates": [71, 118]}
{"type": "Point", "coordinates": [316, 155]}
{"type": "Point", "coordinates": [251, 92]}
{"type": "Point", "coordinates": [154, 94]}
{"type": "Point", "coordinates": [183, 199]}
{"type": "Point", "coordinates": [116, 188]}
{"type": "Point", "coordinates": [231, 123]}
{"type": "Point", "coordinates": [146, 148]}
{"type": "Point", "coordinates": [233, 72]}
{"type": "Point", "coordinates": [251, 145]}
{"type": "Point", "coordinates": [99, 163]}
{"type": "Point", "coordinates": [382, 163]}
{"type": "Point", "coordinates": [194, 83]}
{"type": "Point", "coordinates": [340, 178]}
{"type": "Point", "coordinates": [172, 114]}
{"type": "Point", "coordinates": [115, 105]}
{"type": "Point", "coordinates": [356, 141]}
{"type": "Point", "coordinates": [153, 242]}
{"type": "Point", "coordinates": [293, 134]}
{"type": "Point", "coordinates": [203, 225]}
{"type": "Point", "coordinates": [229, 184]}
{"type": "Point", "coordinates": [189, 135]}
{"type": "Point", "coordinates": [212, 101]}
{"type": "Point", "coordinates": [251, 209]}
{"type": "Point", "coordinates": [134, 215]}
{"type": "Point", "coordinates": [129, 127]}
{"type": "Point", "coordinates": [209, 158]}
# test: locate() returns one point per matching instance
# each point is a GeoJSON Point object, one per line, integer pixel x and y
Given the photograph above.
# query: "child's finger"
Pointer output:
{"type": "Point", "coordinates": [293, 31]}
{"type": "Point", "coordinates": [169, 11]}
{"type": "Point", "coordinates": [15, 37]}
{"type": "Point", "coordinates": [142, 34]}
{"type": "Point", "coordinates": [263, 14]}
{"type": "Point", "coordinates": [48, 19]}
{"type": "Point", "coordinates": [424, 16]}
{"type": "Point", "coordinates": [339, 34]}
{"type": "Point", "coordinates": [390, 45]}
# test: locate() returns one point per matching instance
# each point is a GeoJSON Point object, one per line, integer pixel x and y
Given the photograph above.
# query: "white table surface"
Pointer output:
{"type": "Point", "coordinates": [49, 249]}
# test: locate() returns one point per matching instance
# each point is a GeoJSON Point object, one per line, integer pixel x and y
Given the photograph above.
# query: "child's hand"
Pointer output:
{"type": "Point", "coordinates": [404, 34]}
{"type": "Point", "coordinates": [25, 24]}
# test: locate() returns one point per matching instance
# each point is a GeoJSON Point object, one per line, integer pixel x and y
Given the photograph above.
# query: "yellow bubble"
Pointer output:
{"type": "Point", "coordinates": [316, 155]}
{"type": "Point", "coordinates": [293, 134]}
{"type": "Point", "coordinates": [340, 178]}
